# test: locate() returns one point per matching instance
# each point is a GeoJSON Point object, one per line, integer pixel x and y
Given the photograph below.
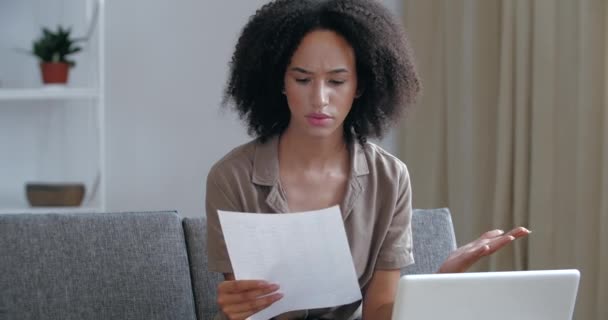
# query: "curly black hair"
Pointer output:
{"type": "Point", "coordinates": [385, 70]}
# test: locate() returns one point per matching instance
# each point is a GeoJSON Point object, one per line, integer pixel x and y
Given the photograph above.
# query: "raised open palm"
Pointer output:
{"type": "Point", "coordinates": [464, 257]}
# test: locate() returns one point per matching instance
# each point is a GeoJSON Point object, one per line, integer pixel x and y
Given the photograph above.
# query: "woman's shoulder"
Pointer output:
{"type": "Point", "coordinates": [238, 161]}
{"type": "Point", "coordinates": [382, 163]}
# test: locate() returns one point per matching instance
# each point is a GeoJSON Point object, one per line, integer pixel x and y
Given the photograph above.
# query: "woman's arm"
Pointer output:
{"type": "Point", "coordinates": [380, 294]}
{"type": "Point", "coordinates": [237, 299]}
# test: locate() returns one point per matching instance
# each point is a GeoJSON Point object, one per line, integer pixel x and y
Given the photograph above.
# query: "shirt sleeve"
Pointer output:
{"type": "Point", "coordinates": [396, 249]}
{"type": "Point", "coordinates": [218, 197]}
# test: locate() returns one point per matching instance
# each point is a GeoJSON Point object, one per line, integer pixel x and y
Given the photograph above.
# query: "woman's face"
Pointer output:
{"type": "Point", "coordinates": [320, 84]}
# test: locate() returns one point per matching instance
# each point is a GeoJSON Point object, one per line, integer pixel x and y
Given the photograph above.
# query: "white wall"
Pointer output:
{"type": "Point", "coordinates": [167, 65]}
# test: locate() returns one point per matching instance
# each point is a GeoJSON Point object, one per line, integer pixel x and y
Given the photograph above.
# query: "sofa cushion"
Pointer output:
{"type": "Point", "coordinates": [434, 239]}
{"type": "Point", "coordinates": [94, 266]}
{"type": "Point", "coordinates": [204, 282]}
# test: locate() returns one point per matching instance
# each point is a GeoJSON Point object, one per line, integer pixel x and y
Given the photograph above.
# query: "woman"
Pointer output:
{"type": "Point", "coordinates": [313, 80]}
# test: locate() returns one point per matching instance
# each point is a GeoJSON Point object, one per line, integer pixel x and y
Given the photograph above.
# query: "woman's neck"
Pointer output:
{"type": "Point", "coordinates": [299, 151]}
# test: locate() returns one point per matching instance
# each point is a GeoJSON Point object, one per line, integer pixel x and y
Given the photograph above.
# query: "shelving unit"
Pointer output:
{"type": "Point", "coordinates": [48, 93]}
{"type": "Point", "coordinates": [52, 133]}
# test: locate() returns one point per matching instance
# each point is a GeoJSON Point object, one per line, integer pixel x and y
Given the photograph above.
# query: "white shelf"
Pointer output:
{"type": "Point", "coordinates": [44, 93]}
{"type": "Point", "coordinates": [87, 91]}
{"type": "Point", "coordinates": [51, 210]}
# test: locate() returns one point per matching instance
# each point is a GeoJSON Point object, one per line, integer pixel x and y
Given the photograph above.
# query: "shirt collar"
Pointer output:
{"type": "Point", "coordinates": [266, 162]}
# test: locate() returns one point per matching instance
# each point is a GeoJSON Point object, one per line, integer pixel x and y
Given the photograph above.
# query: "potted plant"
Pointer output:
{"type": "Point", "coordinates": [53, 49]}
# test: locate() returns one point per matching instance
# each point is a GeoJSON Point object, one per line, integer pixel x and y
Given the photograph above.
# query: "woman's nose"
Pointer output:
{"type": "Point", "coordinates": [321, 96]}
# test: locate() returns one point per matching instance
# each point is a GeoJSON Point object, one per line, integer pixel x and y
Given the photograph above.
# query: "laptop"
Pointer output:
{"type": "Point", "coordinates": [522, 295]}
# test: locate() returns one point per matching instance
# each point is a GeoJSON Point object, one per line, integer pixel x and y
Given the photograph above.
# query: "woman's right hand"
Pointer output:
{"type": "Point", "coordinates": [239, 299]}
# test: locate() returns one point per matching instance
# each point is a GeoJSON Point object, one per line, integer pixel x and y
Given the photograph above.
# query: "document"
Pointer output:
{"type": "Point", "coordinates": [305, 253]}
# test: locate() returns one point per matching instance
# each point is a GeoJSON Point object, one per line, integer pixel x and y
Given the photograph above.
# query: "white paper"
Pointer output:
{"type": "Point", "coordinates": [306, 254]}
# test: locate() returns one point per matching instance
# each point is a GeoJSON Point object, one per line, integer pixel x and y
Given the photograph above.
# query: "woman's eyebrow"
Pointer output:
{"type": "Point", "coordinates": [302, 70]}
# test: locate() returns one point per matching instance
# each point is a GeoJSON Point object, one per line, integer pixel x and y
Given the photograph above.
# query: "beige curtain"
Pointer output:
{"type": "Point", "coordinates": [512, 129]}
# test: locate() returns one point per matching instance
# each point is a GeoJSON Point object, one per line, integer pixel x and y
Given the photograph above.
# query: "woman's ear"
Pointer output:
{"type": "Point", "coordinates": [360, 89]}
{"type": "Point", "coordinates": [359, 92]}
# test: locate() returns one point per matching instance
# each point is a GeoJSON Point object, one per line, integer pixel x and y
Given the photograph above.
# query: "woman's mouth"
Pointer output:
{"type": "Point", "coordinates": [319, 119]}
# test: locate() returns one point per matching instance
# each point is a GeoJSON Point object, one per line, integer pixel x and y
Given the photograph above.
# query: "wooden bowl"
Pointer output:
{"type": "Point", "coordinates": [54, 194]}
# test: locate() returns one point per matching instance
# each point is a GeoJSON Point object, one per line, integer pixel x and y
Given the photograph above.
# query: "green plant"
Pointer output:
{"type": "Point", "coordinates": [55, 46]}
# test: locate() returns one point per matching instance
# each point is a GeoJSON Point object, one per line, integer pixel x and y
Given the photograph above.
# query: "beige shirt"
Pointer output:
{"type": "Point", "coordinates": [376, 209]}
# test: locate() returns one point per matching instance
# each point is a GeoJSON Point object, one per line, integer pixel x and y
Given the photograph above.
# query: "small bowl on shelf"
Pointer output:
{"type": "Point", "coordinates": [54, 194]}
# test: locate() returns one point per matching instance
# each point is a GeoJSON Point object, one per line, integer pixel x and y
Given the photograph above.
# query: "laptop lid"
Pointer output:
{"type": "Point", "coordinates": [522, 295]}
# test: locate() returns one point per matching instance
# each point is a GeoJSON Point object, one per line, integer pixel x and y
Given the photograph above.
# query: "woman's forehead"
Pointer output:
{"type": "Point", "coordinates": [323, 51]}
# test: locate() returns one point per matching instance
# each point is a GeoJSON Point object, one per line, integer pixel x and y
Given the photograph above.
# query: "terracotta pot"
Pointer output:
{"type": "Point", "coordinates": [54, 72]}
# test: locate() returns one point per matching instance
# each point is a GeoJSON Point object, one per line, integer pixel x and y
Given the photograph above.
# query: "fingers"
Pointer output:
{"type": "Point", "coordinates": [464, 257]}
{"type": "Point", "coordinates": [492, 234]}
{"type": "Point", "coordinates": [242, 316]}
{"type": "Point", "coordinates": [493, 240]}
{"type": "Point", "coordinates": [482, 250]}
{"type": "Point", "coordinates": [519, 232]}
{"type": "Point", "coordinates": [497, 243]}
{"type": "Point", "coordinates": [253, 306]}
{"type": "Point", "coordinates": [241, 285]}
{"type": "Point", "coordinates": [239, 297]}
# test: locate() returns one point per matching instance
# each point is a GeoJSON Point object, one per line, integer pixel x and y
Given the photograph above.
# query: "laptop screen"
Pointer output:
{"type": "Point", "coordinates": [522, 295]}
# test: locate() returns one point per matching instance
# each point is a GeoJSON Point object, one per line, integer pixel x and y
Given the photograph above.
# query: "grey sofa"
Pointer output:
{"type": "Point", "coordinates": [144, 265]}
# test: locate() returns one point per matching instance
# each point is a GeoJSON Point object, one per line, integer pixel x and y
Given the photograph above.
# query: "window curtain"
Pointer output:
{"type": "Point", "coordinates": [512, 129]}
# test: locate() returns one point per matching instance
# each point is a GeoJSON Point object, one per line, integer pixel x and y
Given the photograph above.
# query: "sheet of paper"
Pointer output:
{"type": "Point", "coordinates": [306, 254]}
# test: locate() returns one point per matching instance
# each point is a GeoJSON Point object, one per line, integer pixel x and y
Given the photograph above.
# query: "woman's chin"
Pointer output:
{"type": "Point", "coordinates": [323, 133]}
{"type": "Point", "coordinates": [314, 132]}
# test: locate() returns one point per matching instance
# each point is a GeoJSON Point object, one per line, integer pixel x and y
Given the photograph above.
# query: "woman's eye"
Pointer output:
{"type": "Point", "coordinates": [303, 80]}
{"type": "Point", "coordinates": [336, 82]}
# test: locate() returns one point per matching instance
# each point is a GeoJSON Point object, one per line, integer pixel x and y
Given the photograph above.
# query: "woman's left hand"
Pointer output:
{"type": "Point", "coordinates": [464, 257]}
